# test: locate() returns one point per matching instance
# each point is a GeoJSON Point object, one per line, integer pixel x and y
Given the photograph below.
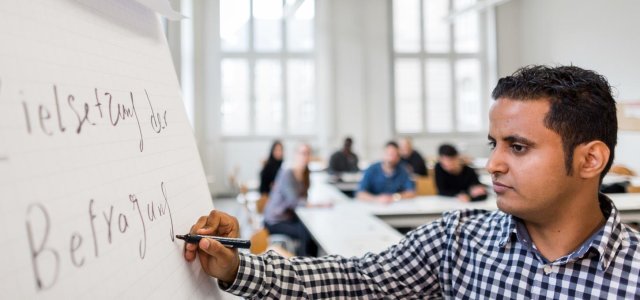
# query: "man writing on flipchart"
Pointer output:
{"type": "Point", "coordinates": [553, 132]}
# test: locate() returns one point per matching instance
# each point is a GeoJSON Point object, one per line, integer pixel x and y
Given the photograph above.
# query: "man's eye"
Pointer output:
{"type": "Point", "coordinates": [492, 145]}
{"type": "Point", "coordinates": [518, 148]}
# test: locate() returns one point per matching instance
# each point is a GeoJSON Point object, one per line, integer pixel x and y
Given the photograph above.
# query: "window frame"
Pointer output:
{"type": "Point", "coordinates": [485, 55]}
{"type": "Point", "coordinates": [283, 56]}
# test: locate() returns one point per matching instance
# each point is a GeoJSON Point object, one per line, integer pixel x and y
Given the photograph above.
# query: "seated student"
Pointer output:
{"type": "Point", "coordinates": [454, 178]}
{"type": "Point", "coordinates": [344, 160]}
{"type": "Point", "coordinates": [290, 191]}
{"type": "Point", "coordinates": [412, 158]}
{"type": "Point", "coordinates": [271, 167]}
{"type": "Point", "coordinates": [388, 180]}
{"type": "Point", "coordinates": [554, 236]}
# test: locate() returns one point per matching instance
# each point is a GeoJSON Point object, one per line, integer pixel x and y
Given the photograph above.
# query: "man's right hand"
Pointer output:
{"type": "Point", "coordinates": [216, 260]}
{"type": "Point", "coordinates": [463, 197]}
{"type": "Point", "coordinates": [477, 190]}
{"type": "Point", "coordinates": [385, 198]}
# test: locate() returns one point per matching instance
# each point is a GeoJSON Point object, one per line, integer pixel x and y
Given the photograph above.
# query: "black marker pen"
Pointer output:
{"type": "Point", "coordinates": [227, 242]}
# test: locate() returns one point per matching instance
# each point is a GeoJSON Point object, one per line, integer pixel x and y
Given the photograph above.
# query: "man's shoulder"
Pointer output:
{"type": "Point", "coordinates": [373, 170]}
{"type": "Point", "coordinates": [403, 168]}
{"type": "Point", "coordinates": [468, 226]}
{"type": "Point", "coordinates": [416, 155]}
{"type": "Point", "coordinates": [626, 247]}
{"type": "Point", "coordinates": [468, 169]}
{"type": "Point", "coordinates": [375, 167]}
{"type": "Point", "coordinates": [336, 154]}
{"type": "Point", "coordinates": [632, 234]}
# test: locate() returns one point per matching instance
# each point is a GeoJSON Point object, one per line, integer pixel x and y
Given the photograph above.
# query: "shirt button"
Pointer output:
{"type": "Point", "coordinates": [547, 269]}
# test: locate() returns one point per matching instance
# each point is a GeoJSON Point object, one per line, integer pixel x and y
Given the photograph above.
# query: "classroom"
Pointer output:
{"type": "Point", "coordinates": [320, 149]}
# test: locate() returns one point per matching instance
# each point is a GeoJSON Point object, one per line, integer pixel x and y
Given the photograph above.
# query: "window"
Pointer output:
{"type": "Point", "coordinates": [440, 73]}
{"type": "Point", "coordinates": [267, 67]}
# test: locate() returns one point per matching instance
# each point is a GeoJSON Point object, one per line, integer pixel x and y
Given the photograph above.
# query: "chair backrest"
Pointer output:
{"type": "Point", "coordinates": [633, 189]}
{"type": "Point", "coordinates": [425, 186]}
{"type": "Point", "coordinates": [262, 202]}
{"type": "Point", "coordinates": [259, 241]}
{"type": "Point", "coordinates": [621, 170]}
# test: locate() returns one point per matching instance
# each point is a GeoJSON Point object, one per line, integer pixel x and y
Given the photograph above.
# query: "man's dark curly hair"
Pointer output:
{"type": "Point", "coordinates": [582, 108]}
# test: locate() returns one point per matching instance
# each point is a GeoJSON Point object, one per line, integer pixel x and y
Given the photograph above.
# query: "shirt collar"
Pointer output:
{"type": "Point", "coordinates": [606, 242]}
{"type": "Point", "coordinates": [399, 165]}
{"type": "Point", "coordinates": [614, 235]}
{"type": "Point", "coordinates": [507, 230]}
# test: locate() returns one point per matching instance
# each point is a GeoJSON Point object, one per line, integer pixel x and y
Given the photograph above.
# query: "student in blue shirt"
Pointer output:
{"type": "Point", "coordinates": [388, 180]}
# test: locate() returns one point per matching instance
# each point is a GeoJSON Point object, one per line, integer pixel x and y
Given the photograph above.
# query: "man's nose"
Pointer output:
{"type": "Point", "coordinates": [496, 162]}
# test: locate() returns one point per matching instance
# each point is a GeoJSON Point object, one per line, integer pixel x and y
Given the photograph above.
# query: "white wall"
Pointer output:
{"type": "Point", "coordinates": [600, 35]}
{"type": "Point", "coordinates": [362, 70]}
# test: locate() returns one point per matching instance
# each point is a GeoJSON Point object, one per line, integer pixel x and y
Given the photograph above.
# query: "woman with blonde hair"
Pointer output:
{"type": "Point", "coordinates": [290, 191]}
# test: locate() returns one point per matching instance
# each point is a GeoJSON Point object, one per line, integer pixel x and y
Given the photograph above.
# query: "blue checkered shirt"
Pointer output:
{"type": "Point", "coordinates": [471, 254]}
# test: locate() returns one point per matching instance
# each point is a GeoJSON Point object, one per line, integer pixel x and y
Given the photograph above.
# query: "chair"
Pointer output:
{"type": "Point", "coordinates": [425, 186]}
{"type": "Point", "coordinates": [284, 242]}
{"type": "Point", "coordinates": [253, 204]}
{"type": "Point", "coordinates": [261, 241]}
{"type": "Point", "coordinates": [624, 171]}
{"type": "Point", "coordinates": [633, 189]}
{"type": "Point", "coordinates": [261, 203]}
{"type": "Point", "coordinates": [621, 170]}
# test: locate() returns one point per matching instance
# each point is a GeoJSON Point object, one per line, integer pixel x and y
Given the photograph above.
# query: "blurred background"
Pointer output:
{"type": "Point", "coordinates": [317, 71]}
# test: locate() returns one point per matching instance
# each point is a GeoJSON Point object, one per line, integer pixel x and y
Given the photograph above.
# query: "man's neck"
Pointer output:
{"type": "Point", "coordinates": [560, 235]}
{"type": "Point", "coordinates": [388, 168]}
{"type": "Point", "coordinates": [456, 172]}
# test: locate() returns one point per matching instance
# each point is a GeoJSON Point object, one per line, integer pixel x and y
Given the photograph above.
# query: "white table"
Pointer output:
{"type": "Point", "coordinates": [421, 210]}
{"type": "Point", "coordinates": [353, 228]}
{"type": "Point", "coordinates": [348, 233]}
{"type": "Point", "coordinates": [346, 182]}
{"type": "Point", "coordinates": [341, 229]}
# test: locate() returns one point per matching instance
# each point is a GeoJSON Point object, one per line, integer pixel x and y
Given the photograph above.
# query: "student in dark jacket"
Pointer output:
{"type": "Point", "coordinates": [344, 160]}
{"type": "Point", "coordinates": [412, 158]}
{"type": "Point", "coordinates": [455, 179]}
{"type": "Point", "coordinates": [271, 167]}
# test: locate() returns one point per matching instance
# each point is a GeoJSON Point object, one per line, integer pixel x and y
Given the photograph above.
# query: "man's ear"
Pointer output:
{"type": "Point", "coordinates": [591, 159]}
